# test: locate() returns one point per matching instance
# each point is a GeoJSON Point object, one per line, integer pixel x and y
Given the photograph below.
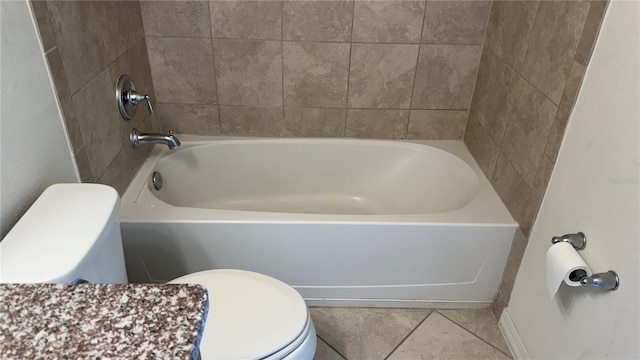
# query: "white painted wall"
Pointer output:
{"type": "Point", "coordinates": [594, 189]}
{"type": "Point", "coordinates": [34, 148]}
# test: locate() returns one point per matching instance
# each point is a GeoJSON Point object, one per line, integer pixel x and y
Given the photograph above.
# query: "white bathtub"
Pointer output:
{"type": "Point", "coordinates": [346, 222]}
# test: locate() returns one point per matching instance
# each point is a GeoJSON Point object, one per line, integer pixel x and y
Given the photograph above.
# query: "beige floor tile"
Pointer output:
{"type": "Point", "coordinates": [480, 322]}
{"type": "Point", "coordinates": [365, 333]}
{"type": "Point", "coordinates": [324, 352]}
{"type": "Point", "coordinates": [439, 338]}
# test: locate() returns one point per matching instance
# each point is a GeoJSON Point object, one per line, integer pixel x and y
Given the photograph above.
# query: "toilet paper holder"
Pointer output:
{"type": "Point", "coordinates": [578, 240]}
{"type": "Point", "coordinates": [605, 281]}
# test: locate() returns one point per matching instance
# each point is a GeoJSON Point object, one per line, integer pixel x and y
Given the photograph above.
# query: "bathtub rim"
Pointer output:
{"type": "Point", "coordinates": [140, 205]}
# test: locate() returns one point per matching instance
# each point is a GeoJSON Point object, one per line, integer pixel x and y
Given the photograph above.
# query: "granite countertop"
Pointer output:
{"type": "Point", "coordinates": [101, 321]}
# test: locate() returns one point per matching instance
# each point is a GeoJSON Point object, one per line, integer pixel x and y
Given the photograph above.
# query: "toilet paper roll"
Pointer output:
{"type": "Point", "coordinates": [562, 260]}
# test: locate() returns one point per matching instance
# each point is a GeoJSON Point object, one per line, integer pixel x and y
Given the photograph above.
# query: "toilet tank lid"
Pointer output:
{"type": "Point", "coordinates": [62, 228]}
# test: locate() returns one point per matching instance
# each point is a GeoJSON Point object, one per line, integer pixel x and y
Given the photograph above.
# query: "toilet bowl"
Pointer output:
{"type": "Point", "coordinates": [72, 233]}
{"type": "Point", "coordinates": [253, 316]}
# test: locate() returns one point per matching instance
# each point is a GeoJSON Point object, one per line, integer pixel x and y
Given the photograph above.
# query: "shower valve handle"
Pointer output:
{"type": "Point", "coordinates": [134, 97]}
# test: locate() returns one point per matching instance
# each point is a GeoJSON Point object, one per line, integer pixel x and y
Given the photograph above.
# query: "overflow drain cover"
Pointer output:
{"type": "Point", "coordinates": [156, 180]}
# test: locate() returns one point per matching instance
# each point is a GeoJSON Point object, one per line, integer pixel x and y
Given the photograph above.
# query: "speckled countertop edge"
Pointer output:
{"type": "Point", "coordinates": [107, 321]}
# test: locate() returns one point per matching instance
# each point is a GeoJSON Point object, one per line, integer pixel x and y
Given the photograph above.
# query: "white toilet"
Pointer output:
{"type": "Point", "coordinates": [72, 233]}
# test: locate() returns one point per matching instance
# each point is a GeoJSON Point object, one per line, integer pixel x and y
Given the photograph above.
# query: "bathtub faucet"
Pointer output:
{"type": "Point", "coordinates": [137, 138]}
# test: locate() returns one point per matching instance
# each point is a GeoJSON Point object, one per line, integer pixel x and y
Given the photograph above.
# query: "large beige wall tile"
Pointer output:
{"type": "Point", "coordinates": [509, 29]}
{"type": "Point", "coordinates": [193, 119]}
{"type": "Point", "coordinates": [250, 121]}
{"type": "Point", "coordinates": [398, 21]}
{"type": "Point", "coordinates": [456, 22]}
{"type": "Point", "coordinates": [537, 193]}
{"type": "Point", "coordinates": [590, 31]}
{"type": "Point", "coordinates": [121, 26]}
{"type": "Point", "coordinates": [482, 147]}
{"type": "Point", "coordinates": [99, 121]}
{"type": "Point", "coordinates": [246, 19]}
{"type": "Point", "coordinates": [64, 98]}
{"type": "Point", "coordinates": [511, 188]}
{"type": "Point", "coordinates": [446, 76]}
{"type": "Point", "coordinates": [376, 123]}
{"type": "Point", "coordinates": [382, 75]}
{"type": "Point", "coordinates": [314, 122]}
{"type": "Point", "coordinates": [437, 124]}
{"type": "Point", "coordinates": [564, 110]}
{"type": "Point", "coordinates": [249, 72]}
{"type": "Point", "coordinates": [553, 44]}
{"type": "Point", "coordinates": [175, 18]}
{"type": "Point", "coordinates": [525, 138]}
{"type": "Point", "coordinates": [315, 74]}
{"type": "Point", "coordinates": [493, 86]}
{"type": "Point", "coordinates": [182, 70]}
{"type": "Point", "coordinates": [325, 20]}
{"type": "Point", "coordinates": [76, 25]}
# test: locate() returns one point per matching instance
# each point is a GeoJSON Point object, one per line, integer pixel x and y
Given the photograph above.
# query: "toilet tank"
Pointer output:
{"type": "Point", "coordinates": [70, 233]}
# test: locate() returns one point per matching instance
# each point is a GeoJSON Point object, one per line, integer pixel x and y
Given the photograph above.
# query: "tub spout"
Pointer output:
{"type": "Point", "coordinates": [136, 138]}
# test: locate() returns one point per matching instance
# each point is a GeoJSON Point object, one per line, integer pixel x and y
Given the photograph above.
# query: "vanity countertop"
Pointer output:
{"type": "Point", "coordinates": [91, 321]}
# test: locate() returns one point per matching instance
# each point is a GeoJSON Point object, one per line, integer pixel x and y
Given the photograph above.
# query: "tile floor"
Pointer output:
{"type": "Point", "coordinates": [407, 334]}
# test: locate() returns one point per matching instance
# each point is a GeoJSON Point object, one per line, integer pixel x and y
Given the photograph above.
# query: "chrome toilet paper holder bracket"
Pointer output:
{"type": "Point", "coordinates": [577, 240]}
{"type": "Point", "coordinates": [605, 281]}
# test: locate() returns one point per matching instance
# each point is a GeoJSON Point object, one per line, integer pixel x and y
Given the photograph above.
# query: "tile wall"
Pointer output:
{"type": "Point", "coordinates": [373, 69]}
{"type": "Point", "coordinates": [534, 57]}
{"type": "Point", "coordinates": [88, 45]}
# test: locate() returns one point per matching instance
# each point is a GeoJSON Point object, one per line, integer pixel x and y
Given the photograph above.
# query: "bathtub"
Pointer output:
{"type": "Point", "coordinates": [345, 222]}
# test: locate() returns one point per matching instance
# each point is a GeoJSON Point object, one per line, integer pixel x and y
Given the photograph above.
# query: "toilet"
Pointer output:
{"type": "Point", "coordinates": [71, 234]}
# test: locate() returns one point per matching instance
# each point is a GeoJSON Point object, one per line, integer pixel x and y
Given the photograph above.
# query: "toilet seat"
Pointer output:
{"type": "Point", "coordinates": [251, 316]}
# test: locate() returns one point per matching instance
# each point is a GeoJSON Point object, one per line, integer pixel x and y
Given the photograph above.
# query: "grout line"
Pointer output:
{"type": "Point", "coordinates": [47, 52]}
{"type": "Point", "coordinates": [353, 20]}
{"type": "Point", "coordinates": [406, 127]}
{"type": "Point", "coordinates": [283, 123]}
{"type": "Point", "coordinates": [474, 334]}
{"type": "Point", "coordinates": [317, 41]}
{"type": "Point", "coordinates": [332, 348]}
{"type": "Point", "coordinates": [215, 71]}
{"type": "Point", "coordinates": [186, 37]}
{"type": "Point", "coordinates": [344, 130]}
{"type": "Point", "coordinates": [80, 149]}
{"type": "Point", "coordinates": [533, 26]}
{"type": "Point", "coordinates": [346, 111]}
{"type": "Point", "coordinates": [415, 73]}
{"type": "Point", "coordinates": [409, 334]}
{"type": "Point", "coordinates": [312, 107]}
{"type": "Point", "coordinates": [483, 45]}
